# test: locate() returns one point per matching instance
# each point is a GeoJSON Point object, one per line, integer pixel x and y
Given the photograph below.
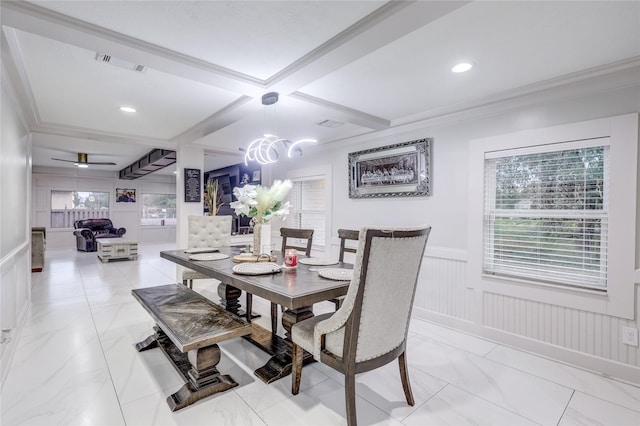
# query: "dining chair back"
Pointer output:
{"type": "Point", "coordinates": [204, 232]}
{"type": "Point", "coordinates": [291, 239]}
{"type": "Point", "coordinates": [370, 328]}
{"type": "Point", "coordinates": [289, 234]}
{"type": "Point", "coordinates": [347, 235]}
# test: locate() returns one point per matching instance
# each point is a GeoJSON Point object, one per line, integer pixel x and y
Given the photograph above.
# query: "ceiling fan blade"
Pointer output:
{"type": "Point", "coordinates": [101, 163]}
{"type": "Point", "coordinates": [68, 161]}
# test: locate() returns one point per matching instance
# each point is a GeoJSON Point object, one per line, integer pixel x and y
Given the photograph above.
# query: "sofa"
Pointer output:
{"type": "Point", "coordinates": [87, 231]}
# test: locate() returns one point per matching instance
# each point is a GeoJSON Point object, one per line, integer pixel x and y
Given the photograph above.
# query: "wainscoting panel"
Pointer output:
{"type": "Point", "coordinates": [582, 338]}
{"type": "Point", "coordinates": [442, 287]}
{"type": "Point", "coordinates": [586, 332]}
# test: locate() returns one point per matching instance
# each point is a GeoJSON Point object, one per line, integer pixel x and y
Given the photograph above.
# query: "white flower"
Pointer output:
{"type": "Point", "coordinates": [262, 203]}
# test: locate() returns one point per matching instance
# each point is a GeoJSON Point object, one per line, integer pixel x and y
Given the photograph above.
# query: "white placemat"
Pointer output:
{"type": "Point", "coordinates": [337, 274]}
{"type": "Point", "coordinates": [317, 261]}
{"type": "Point", "coordinates": [202, 250]}
{"type": "Point", "coordinates": [259, 268]}
{"type": "Point", "coordinates": [208, 256]}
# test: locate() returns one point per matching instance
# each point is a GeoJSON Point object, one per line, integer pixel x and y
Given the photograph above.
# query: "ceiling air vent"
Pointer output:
{"type": "Point", "coordinates": [330, 123]}
{"type": "Point", "coordinates": [120, 63]}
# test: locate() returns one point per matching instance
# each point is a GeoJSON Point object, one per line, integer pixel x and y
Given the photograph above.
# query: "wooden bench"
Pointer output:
{"type": "Point", "coordinates": [188, 328]}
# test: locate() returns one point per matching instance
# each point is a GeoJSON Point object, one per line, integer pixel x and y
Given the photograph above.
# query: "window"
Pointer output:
{"type": "Point", "coordinates": [553, 215]}
{"type": "Point", "coordinates": [158, 209]}
{"type": "Point", "coordinates": [69, 206]}
{"type": "Point", "coordinates": [307, 197]}
{"type": "Point", "coordinates": [546, 213]}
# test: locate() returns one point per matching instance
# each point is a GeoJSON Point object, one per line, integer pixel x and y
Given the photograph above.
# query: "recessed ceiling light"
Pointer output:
{"type": "Point", "coordinates": [127, 109]}
{"type": "Point", "coordinates": [462, 67]}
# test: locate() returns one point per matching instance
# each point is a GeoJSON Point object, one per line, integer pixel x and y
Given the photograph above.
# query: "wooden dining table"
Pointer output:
{"type": "Point", "coordinates": [296, 289]}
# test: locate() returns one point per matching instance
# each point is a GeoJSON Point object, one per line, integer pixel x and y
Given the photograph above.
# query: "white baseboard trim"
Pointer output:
{"type": "Point", "coordinates": [609, 368]}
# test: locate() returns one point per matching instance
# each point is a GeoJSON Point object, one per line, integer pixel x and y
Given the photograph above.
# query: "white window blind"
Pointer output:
{"type": "Point", "coordinates": [546, 214]}
{"type": "Point", "coordinates": [307, 196]}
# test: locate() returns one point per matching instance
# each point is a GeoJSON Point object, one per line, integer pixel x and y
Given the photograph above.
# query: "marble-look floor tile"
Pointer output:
{"type": "Point", "coordinates": [581, 380]}
{"type": "Point", "coordinates": [48, 356]}
{"type": "Point", "coordinates": [323, 405]}
{"type": "Point", "coordinates": [261, 396]}
{"type": "Point", "coordinates": [526, 395]}
{"type": "Point", "coordinates": [137, 374]}
{"type": "Point", "coordinates": [453, 406]}
{"type": "Point", "coordinates": [120, 316]}
{"type": "Point", "coordinates": [225, 408]}
{"type": "Point", "coordinates": [585, 410]}
{"type": "Point", "coordinates": [46, 291]}
{"type": "Point", "coordinates": [82, 399]}
{"type": "Point", "coordinates": [71, 314]}
{"type": "Point", "coordinates": [454, 338]}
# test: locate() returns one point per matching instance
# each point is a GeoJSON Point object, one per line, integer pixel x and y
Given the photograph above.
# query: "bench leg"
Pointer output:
{"type": "Point", "coordinates": [204, 378]}
{"type": "Point", "coordinates": [148, 343]}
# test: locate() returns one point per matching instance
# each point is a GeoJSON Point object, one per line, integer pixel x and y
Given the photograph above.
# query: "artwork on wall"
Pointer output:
{"type": "Point", "coordinates": [400, 170]}
{"type": "Point", "coordinates": [125, 195]}
{"type": "Point", "coordinates": [192, 186]}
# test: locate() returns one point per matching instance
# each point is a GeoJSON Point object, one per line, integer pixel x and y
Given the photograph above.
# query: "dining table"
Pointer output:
{"type": "Point", "coordinates": [297, 289]}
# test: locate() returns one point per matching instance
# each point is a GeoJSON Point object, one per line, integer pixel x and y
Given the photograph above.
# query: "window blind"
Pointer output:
{"type": "Point", "coordinates": [546, 214]}
{"type": "Point", "coordinates": [307, 196]}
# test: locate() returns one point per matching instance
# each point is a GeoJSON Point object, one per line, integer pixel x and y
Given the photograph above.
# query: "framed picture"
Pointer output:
{"type": "Point", "coordinates": [192, 186]}
{"type": "Point", "coordinates": [125, 195]}
{"type": "Point", "coordinates": [400, 170]}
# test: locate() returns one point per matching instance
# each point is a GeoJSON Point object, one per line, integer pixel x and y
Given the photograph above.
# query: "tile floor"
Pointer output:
{"type": "Point", "coordinates": [75, 364]}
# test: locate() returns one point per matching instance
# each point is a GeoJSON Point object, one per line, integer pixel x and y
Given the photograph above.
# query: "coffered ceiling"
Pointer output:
{"type": "Point", "coordinates": [371, 65]}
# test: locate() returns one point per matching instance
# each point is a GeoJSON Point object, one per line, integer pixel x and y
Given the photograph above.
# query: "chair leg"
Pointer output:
{"type": "Point", "coordinates": [188, 283]}
{"type": "Point", "coordinates": [350, 397]}
{"type": "Point", "coordinates": [297, 354]}
{"type": "Point", "coordinates": [249, 305]}
{"type": "Point", "coordinates": [274, 318]}
{"type": "Point", "coordinates": [404, 376]}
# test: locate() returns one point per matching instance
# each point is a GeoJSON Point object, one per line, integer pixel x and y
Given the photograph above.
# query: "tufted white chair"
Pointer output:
{"type": "Point", "coordinates": [370, 328]}
{"type": "Point", "coordinates": [204, 232]}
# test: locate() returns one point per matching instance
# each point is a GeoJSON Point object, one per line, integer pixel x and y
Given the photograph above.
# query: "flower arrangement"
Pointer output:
{"type": "Point", "coordinates": [262, 203]}
{"type": "Point", "coordinates": [213, 196]}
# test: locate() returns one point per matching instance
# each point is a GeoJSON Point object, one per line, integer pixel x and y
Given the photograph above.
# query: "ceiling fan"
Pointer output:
{"type": "Point", "coordinates": [82, 161]}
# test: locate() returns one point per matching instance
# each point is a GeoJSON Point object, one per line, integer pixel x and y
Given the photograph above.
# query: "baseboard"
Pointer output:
{"type": "Point", "coordinates": [594, 364]}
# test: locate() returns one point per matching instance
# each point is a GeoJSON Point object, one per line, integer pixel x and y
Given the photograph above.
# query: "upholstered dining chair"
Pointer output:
{"type": "Point", "coordinates": [204, 232]}
{"type": "Point", "coordinates": [370, 328]}
{"type": "Point", "coordinates": [292, 238]}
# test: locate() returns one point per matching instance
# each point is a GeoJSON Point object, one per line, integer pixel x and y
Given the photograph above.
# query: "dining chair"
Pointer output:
{"type": "Point", "coordinates": [370, 328]}
{"type": "Point", "coordinates": [292, 238]}
{"type": "Point", "coordinates": [345, 235]}
{"type": "Point", "coordinates": [204, 232]}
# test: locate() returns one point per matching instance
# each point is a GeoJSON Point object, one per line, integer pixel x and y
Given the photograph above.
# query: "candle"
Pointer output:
{"type": "Point", "coordinates": [290, 258]}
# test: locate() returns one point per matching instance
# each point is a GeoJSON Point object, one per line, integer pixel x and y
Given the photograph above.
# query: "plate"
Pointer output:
{"type": "Point", "coordinates": [202, 250]}
{"type": "Point", "coordinates": [208, 256]}
{"type": "Point", "coordinates": [317, 261]}
{"type": "Point", "coordinates": [260, 268]}
{"type": "Point", "coordinates": [337, 274]}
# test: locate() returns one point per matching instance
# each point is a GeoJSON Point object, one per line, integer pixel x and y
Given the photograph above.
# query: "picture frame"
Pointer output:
{"type": "Point", "coordinates": [398, 170]}
{"type": "Point", "coordinates": [192, 186]}
{"type": "Point", "coordinates": [125, 195]}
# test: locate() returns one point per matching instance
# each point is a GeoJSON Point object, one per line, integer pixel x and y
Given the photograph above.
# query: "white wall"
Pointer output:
{"type": "Point", "coordinates": [15, 247]}
{"type": "Point", "coordinates": [123, 215]}
{"type": "Point", "coordinates": [580, 337]}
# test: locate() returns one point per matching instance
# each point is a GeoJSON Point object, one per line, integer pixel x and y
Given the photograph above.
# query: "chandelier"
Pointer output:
{"type": "Point", "coordinates": [264, 150]}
